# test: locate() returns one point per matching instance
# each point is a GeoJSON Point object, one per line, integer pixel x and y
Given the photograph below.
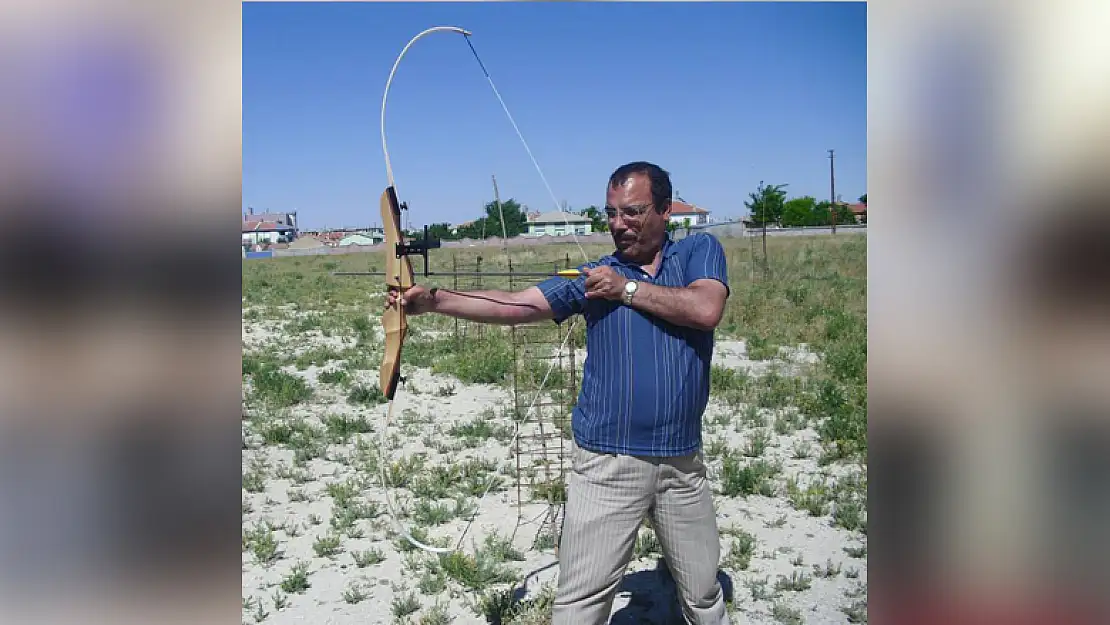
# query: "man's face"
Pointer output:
{"type": "Point", "coordinates": [637, 228]}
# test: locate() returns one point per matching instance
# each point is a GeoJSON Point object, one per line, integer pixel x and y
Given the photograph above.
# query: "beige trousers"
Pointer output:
{"type": "Point", "coordinates": [608, 496]}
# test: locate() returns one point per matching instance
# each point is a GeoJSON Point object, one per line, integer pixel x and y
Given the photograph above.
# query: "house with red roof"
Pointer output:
{"type": "Point", "coordinates": [686, 214]}
{"type": "Point", "coordinates": [859, 209]}
{"type": "Point", "coordinates": [268, 228]}
{"type": "Point", "coordinates": [267, 232]}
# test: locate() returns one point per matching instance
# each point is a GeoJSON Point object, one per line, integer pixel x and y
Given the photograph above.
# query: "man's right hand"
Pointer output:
{"type": "Point", "coordinates": [416, 301]}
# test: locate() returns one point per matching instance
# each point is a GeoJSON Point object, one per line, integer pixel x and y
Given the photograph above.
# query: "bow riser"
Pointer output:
{"type": "Point", "coordinates": [399, 278]}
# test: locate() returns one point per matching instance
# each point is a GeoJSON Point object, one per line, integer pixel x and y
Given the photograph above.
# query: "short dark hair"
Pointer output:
{"type": "Point", "coordinates": [660, 181]}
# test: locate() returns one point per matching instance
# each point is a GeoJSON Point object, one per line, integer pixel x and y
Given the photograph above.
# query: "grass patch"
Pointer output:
{"type": "Point", "coordinates": [366, 395]}
{"type": "Point", "coordinates": [340, 428]}
{"type": "Point", "coordinates": [476, 572]}
{"type": "Point", "coordinates": [741, 549]}
{"type": "Point", "coordinates": [272, 387]}
{"type": "Point", "coordinates": [296, 581]}
{"type": "Point", "coordinates": [368, 557]}
{"type": "Point", "coordinates": [481, 429]}
{"type": "Point", "coordinates": [744, 477]}
{"type": "Point", "coordinates": [334, 376]}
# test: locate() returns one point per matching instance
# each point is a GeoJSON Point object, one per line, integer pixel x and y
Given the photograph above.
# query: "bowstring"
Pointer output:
{"type": "Point", "coordinates": [520, 135]}
{"type": "Point", "coordinates": [585, 259]}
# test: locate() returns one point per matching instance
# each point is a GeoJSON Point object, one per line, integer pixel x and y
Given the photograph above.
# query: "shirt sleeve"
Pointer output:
{"type": "Point", "coordinates": [707, 260]}
{"type": "Point", "coordinates": [566, 296]}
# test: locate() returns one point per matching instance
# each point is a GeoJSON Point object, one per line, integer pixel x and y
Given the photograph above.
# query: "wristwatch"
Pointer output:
{"type": "Point", "coordinates": [629, 290]}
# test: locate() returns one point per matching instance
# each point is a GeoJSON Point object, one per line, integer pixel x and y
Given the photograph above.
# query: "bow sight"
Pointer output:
{"type": "Point", "coordinates": [417, 247]}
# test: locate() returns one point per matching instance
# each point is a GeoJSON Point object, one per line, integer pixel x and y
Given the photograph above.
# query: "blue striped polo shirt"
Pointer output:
{"type": "Point", "coordinates": [645, 382]}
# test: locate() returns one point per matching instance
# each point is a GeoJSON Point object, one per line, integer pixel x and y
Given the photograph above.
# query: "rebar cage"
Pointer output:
{"type": "Point", "coordinates": [545, 383]}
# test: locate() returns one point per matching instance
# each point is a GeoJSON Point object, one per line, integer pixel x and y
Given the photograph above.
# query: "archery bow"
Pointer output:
{"type": "Point", "coordinates": [399, 277]}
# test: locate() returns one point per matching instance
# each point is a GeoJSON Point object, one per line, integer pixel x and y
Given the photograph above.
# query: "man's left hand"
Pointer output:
{"type": "Point", "coordinates": [604, 283]}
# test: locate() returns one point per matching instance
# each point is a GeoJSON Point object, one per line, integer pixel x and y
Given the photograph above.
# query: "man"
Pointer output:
{"type": "Point", "coordinates": [651, 310]}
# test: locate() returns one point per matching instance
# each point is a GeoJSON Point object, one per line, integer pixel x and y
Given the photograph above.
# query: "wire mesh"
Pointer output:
{"type": "Point", "coordinates": [545, 379]}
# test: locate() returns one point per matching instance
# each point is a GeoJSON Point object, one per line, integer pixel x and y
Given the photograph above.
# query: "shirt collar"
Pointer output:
{"type": "Point", "coordinates": [669, 247]}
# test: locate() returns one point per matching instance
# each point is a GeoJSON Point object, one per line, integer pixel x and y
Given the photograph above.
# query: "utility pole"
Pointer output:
{"type": "Point", "coordinates": [763, 218]}
{"type": "Point", "coordinates": [500, 215]}
{"type": "Point", "coordinates": [832, 189]}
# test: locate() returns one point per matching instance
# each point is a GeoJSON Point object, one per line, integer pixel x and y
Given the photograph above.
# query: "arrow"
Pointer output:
{"type": "Point", "coordinates": [562, 273]}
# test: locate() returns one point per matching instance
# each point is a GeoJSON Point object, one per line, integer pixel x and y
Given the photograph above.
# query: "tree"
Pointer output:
{"type": "Point", "coordinates": [516, 221]}
{"type": "Point", "coordinates": [823, 216]}
{"type": "Point", "coordinates": [474, 230]}
{"type": "Point", "coordinates": [766, 203]}
{"type": "Point", "coordinates": [799, 211]}
{"type": "Point", "coordinates": [440, 231]}
{"type": "Point", "coordinates": [845, 216]}
{"type": "Point", "coordinates": [863, 199]}
{"type": "Point", "coordinates": [600, 222]}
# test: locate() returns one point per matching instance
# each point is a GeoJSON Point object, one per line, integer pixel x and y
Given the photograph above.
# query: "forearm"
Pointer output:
{"type": "Point", "coordinates": [682, 306]}
{"type": "Point", "coordinates": [496, 307]}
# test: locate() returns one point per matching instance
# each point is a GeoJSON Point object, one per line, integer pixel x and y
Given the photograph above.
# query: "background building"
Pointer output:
{"type": "Point", "coordinates": [683, 214]}
{"type": "Point", "coordinates": [269, 228]}
{"type": "Point", "coordinates": [555, 223]}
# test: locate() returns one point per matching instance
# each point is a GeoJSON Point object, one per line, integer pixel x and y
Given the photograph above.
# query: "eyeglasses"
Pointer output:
{"type": "Point", "coordinates": [630, 213]}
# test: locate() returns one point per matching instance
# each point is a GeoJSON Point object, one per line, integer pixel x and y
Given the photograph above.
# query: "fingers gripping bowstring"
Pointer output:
{"type": "Point", "coordinates": [389, 174]}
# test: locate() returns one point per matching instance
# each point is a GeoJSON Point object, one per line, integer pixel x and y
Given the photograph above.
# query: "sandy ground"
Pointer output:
{"type": "Point", "coordinates": [290, 510]}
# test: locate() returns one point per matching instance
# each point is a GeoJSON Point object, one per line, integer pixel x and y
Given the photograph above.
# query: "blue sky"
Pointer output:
{"type": "Point", "coordinates": [722, 95]}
